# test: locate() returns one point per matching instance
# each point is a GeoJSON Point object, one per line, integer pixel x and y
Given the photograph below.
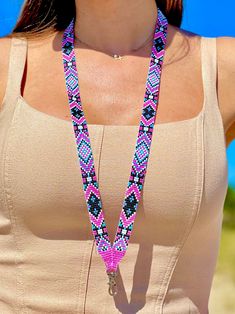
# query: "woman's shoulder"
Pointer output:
{"type": "Point", "coordinates": [35, 45]}
{"type": "Point", "coordinates": [5, 44]}
{"type": "Point", "coordinates": [188, 44]}
{"type": "Point", "coordinates": [226, 77]}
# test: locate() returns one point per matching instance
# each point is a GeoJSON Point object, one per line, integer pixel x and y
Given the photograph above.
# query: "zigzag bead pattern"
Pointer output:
{"type": "Point", "coordinates": [112, 254]}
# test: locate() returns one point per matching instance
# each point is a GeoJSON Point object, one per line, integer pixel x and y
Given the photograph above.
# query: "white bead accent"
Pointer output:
{"type": "Point", "coordinates": [136, 179]}
{"type": "Point", "coordinates": [89, 179]}
{"type": "Point", "coordinates": [69, 64]}
{"type": "Point", "coordinates": [146, 128]}
{"type": "Point", "coordinates": [100, 231]}
{"type": "Point", "coordinates": [80, 127]}
{"type": "Point", "coordinates": [150, 96]}
{"type": "Point", "coordinates": [123, 231]}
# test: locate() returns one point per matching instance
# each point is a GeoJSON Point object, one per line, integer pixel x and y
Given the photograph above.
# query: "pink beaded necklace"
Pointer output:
{"type": "Point", "coordinates": [113, 253]}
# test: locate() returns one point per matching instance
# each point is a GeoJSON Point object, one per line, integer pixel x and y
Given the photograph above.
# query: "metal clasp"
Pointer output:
{"type": "Point", "coordinates": [112, 283]}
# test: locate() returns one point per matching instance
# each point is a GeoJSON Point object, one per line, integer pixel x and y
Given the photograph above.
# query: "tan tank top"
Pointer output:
{"type": "Point", "coordinates": [48, 259]}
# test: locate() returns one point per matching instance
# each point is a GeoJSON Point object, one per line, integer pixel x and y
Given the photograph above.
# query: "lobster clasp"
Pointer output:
{"type": "Point", "coordinates": [112, 283]}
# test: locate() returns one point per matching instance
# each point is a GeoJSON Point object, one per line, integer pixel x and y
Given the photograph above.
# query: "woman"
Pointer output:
{"type": "Point", "coordinates": [49, 261]}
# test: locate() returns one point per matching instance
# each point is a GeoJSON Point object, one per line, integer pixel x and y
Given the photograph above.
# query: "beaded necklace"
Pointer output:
{"type": "Point", "coordinates": [113, 253]}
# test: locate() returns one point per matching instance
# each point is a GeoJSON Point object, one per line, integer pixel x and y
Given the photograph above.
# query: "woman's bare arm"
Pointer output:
{"type": "Point", "coordinates": [230, 135]}
{"type": "Point", "coordinates": [226, 83]}
{"type": "Point", "coordinates": [4, 63]}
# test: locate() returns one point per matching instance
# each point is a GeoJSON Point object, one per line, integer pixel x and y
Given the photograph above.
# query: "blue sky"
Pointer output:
{"type": "Point", "coordinates": [207, 18]}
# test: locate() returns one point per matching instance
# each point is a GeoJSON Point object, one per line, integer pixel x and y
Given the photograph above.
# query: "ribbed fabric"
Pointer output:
{"type": "Point", "coordinates": [48, 260]}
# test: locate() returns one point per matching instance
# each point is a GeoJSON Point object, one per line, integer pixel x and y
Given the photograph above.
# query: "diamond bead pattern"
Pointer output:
{"type": "Point", "coordinates": [112, 254]}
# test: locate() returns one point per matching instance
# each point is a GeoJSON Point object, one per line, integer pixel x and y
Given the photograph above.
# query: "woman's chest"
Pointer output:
{"type": "Point", "coordinates": [112, 91]}
{"type": "Point", "coordinates": [43, 176]}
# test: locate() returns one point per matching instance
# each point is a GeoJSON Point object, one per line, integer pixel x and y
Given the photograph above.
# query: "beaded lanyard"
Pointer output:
{"type": "Point", "coordinates": [112, 254]}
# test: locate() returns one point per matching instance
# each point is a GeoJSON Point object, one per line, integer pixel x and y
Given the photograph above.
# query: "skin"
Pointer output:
{"type": "Point", "coordinates": [112, 91]}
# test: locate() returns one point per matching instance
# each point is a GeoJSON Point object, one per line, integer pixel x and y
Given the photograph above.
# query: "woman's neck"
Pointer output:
{"type": "Point", "coordinates": [115, 26]}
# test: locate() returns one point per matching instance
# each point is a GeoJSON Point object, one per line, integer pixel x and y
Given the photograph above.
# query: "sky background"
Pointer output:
{"type": "Point", "coordinates": [207, 18]}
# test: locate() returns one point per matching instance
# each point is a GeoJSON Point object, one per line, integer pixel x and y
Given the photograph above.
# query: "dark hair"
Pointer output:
{"type": "Point", "coordinates": [38, 16]}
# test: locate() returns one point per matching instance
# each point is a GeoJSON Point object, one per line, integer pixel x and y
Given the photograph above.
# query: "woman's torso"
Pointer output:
{"type": "Point", "coordinates": [48, 260]}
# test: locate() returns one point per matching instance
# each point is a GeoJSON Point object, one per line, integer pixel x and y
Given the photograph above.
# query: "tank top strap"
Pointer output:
{"type": "Point", "coordinates": [209, 72]}
{"type": "Point", "coordinates": [17, 61]}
